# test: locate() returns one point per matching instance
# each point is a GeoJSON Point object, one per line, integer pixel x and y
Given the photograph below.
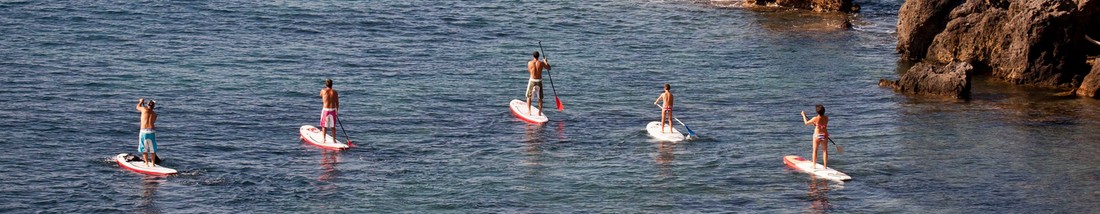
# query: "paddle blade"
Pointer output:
{"type": "Point", "coordinates": [560, 107]}
{"type": "Point", "coordinates": [692, 133]}
{"type": "Point", "coordinates": [839, 150]}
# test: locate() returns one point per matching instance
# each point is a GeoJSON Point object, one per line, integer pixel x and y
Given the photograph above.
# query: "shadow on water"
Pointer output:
{"type": "Point", "coordinates": [666, 153]}
{"type": "Point", "coordinates": [149, 185]}
{"type": "Point", "coordinates": [1032, 105]}
{"type": "Point", "coordinates": [1037, 145]}
{"type": "Point", "coordinates": [532, 142]}
{"type": "Point", "coordinates": [329, 171]}
{"type": "Point", "coordinates": [819, 195]}
{"type": "Point", "coordinates": [561, 131]}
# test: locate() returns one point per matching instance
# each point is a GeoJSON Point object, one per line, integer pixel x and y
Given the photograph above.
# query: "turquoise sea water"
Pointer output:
{"type": "Point", "coordinates": [425, 85]}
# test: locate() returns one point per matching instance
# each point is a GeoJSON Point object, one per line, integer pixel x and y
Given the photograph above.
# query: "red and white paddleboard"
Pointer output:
{"type": "Point", "coordinates": [519, 108]}
{"type": "Point", "coordinates": [313, 135]}
{"type": "Point", "coordinates": [136, 165]}
{"type": "Point", "coordinates": [807, 166]}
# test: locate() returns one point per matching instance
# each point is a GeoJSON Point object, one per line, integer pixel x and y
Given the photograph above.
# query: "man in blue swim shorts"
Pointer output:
{"type": "Point", "coordinates": [147, 140]}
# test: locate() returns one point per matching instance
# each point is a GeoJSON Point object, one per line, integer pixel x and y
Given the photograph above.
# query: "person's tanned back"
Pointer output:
{"type": "Point", "coordinates": [330, 106]}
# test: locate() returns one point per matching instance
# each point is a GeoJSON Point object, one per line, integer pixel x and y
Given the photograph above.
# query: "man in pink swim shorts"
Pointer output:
{"type": "Point", "coordinates": [331, 102]}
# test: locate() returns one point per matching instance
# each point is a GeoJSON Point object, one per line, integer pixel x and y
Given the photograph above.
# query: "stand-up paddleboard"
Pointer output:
{"type": "Point", "coordinates": [807, 166]}
{"type": "Point", "coordinates": [135, 164]}
{"type": "Point", "coordinates": [654, 129]}
{"type": "Point", "coordinates": [519, 108]}
{"type": "Point", "coordinates": [313, 135]}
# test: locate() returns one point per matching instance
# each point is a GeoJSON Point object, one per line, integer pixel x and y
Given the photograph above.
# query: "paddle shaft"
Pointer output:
{"type": "Point", "coordinates": [545, 57]}
{"type": "Point", "coordinates": [685, 126]}
{"type": "Point", "coordinates": [344, 130]}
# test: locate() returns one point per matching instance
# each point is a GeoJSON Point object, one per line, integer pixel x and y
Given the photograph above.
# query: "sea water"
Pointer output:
{"type": "Point", "coordinates": [424, 89]}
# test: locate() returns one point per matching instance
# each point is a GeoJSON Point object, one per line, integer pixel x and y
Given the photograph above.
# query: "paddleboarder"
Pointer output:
{"type": "Point", "coordinates": [331, 102]}
{"type": "Point", "coordinates": [821, 134]}
{"type": "Point", "coordinates": [666, 109]}
{"type": "Point", "coordinates": [535, 67]}
{"type": "Point", "coordinates": [147, 140]}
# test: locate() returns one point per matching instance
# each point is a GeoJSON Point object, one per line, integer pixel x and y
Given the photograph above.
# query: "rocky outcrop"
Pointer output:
{"type": "Point", "coordinates": [1022, 42]}
{"type": "Point", "coordinates": [1090, 18]}
{"type": "Point", "coordinates": [1091, 84]}
{"type": "Point", "coordinates": [816, 5]}
{"type": "Point", "coordinates": [918, 22]}
{"type": "Point", "coordinates": [948, 80]}
{"type": "Point", "coordinates": [1042, 45]}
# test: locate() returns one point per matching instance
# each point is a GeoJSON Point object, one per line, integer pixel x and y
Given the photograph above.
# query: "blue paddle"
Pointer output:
{"type": "Point", "coordinates": [690, 132]}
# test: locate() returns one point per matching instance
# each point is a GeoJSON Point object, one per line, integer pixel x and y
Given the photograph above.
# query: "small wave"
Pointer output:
{"type": "Point", "coordinates": [191, 173]}
{"type": "Point", "coordinates": [108, 160]}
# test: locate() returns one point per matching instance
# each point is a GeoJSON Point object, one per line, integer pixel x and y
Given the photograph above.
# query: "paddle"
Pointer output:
{"type": "Point", "coordinates": [345, 131]}
{"type": "Point", "coordinates": [556, 100]}
{"type": "Point", "coordinates": [690, 132]}
{"type": "Point", "coordinates": [839, 150]}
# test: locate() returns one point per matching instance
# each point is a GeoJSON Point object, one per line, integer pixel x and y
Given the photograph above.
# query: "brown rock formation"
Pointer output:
{"type": "Point", "coordinates": [816, 5]}
{"type": "Point", "coordinates": [1035, 42]}
{"type": "Point", "coordinates": [950, 80]}
{"type": "Point", "coordinates": [1089, 17]}
{"type": "Point", "coordinates": [918, 22]}
{"type": "Point", "coordinates": [1091, 84]}
{"type": "Point", "coordinates": [1042, 47]}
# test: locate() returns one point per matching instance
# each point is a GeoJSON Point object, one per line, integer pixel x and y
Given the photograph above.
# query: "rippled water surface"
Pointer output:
{"type": "Point", "coordinates": [424, 88]}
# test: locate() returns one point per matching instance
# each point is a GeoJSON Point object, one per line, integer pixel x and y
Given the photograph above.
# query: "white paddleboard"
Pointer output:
{"type": "Point", "coordinates": [519, 108]}
{"type": "Point", "coordinates": [807, 166]}
{"type": "Point", "coordinates": [312, 135]}
{"type": "Point", "coordinates": [654, 129]}
{"type": "Point", "coordinates": [138, 166]}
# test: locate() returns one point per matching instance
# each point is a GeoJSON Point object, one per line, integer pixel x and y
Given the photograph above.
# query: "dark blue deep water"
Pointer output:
{"type": "Point", "coordinates": [425, 87]}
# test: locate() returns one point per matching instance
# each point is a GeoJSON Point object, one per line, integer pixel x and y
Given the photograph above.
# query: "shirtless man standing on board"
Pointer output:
{"type": "Point", "coordinates": [147, 140]}
{"type": "Point", "coordinates": [328, 112]}
{"type": "Point", "coordinates": [535, 67]}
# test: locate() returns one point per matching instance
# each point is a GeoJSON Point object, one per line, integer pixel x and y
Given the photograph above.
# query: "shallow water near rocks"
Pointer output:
{"type": "Point", "coordinates": [425, 87]}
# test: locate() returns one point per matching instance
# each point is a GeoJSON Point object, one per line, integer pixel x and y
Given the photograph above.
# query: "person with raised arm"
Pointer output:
{"type": "Point", "coordinates": [147, 140]}
{"type": "Point", "coordinates": [535, 68]}
{"type": "Point", "coordinates": [821, 134]}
